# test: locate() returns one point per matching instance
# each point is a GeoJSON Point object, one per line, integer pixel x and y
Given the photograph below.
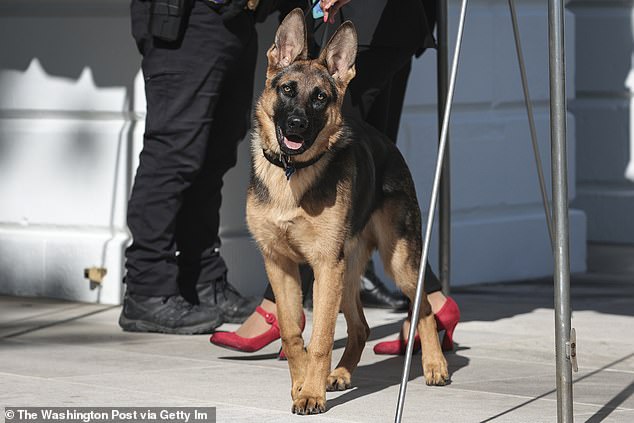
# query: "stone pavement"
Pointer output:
{"type": "Point", "coordinates": [55, 353]}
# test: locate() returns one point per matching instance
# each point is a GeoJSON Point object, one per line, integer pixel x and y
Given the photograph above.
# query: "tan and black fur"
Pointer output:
{"type": "Point", "coordinates": [351, 192]}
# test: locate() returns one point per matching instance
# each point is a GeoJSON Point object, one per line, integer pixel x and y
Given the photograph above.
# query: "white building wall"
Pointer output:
{"type": "Point", "coordinates": [67, 71]}
{"type": "Point", "coordinates": [498, 229]}
{"type": "Point", "coordinates": [604, 121]}
{"type": "Point", "coordinates": [71, 124]}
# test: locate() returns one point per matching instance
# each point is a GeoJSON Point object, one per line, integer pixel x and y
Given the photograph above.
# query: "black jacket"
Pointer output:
{"type": "Point", "coordinates": [407, 24]}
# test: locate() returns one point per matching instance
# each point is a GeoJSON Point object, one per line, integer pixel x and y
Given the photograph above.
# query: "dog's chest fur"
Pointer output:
{"type": "Point", "coordinates": [290, 217]}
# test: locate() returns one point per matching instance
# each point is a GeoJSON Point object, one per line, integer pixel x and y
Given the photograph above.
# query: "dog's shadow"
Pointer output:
{"type": "Point", "coordinates": [371, 378]}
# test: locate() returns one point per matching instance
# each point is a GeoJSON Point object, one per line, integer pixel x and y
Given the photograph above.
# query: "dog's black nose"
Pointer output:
{"type": "Point", "coordinates": [297, 124]}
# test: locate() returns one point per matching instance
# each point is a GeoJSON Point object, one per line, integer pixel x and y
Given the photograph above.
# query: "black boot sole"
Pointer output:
{"type": "Point", "coordinates": [136, 325]}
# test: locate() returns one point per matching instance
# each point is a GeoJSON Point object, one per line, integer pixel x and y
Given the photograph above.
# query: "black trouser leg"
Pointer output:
{"type": "Point", "coordinates": [385, 112]}
{"type": "Point", "coordinates": [306, 277]}
{"type": "Point", "coordinates": [186, 149]}
{"type": "Point", "coordinates": [198, 221]}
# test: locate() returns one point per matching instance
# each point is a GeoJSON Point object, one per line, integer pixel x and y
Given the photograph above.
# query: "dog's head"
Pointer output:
{"type": "Point", "coordinates": [300, 107]}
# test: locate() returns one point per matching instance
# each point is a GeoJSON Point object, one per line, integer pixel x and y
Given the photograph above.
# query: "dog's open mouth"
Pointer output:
{"type": "Point", "coordinates": [293, 142]}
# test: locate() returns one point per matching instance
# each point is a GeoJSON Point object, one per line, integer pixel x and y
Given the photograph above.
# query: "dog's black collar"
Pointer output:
{"type": "Point", "coordinates": [284, 161]}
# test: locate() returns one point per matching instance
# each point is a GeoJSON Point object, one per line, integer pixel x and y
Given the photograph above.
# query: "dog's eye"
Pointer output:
{"type": "Point", "coordinates": [287, 90]}
{"type": "Point", "coordinates": [321, 96]}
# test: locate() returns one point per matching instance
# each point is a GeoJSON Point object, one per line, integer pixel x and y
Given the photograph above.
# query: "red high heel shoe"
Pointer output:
{"type": "Point", "coordinates": [236, 342]}
{"type": "Point", "coordinates": [446, 319]}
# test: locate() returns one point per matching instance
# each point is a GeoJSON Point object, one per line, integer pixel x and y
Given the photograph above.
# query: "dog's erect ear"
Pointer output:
{"type": "Point", "coordinates": [290, 43]}
{"type": "Point", "coordinates": [340, 53]}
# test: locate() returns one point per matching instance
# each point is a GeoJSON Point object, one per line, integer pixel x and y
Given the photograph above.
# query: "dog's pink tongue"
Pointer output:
{"type": "Point", "coordinates": [292, 144]}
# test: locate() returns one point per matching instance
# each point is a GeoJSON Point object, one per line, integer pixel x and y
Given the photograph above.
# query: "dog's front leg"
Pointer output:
{"type": "Point", "coordinates": [327, 292]}
{"type": "Point", "coordinates": [284, 277]}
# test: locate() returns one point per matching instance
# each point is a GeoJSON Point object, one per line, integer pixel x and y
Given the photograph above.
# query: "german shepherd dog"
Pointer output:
{"type": "Point", "coordinates": [327, 192]}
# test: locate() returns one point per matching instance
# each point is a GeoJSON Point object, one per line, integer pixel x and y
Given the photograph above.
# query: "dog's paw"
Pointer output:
{"type": "Point", "coordinates": [309, 405]}
{"type": "Point", "coordinates": [436, 372]}
{"type": "Point", "coordinates": [339, 380]}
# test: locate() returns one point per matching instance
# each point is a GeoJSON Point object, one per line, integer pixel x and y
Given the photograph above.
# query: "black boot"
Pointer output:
{"type": "Point", "coordinates": [220, 294]}
{"type": "Point", "coordinates": [167, 315]}
{"type": "Point", "coordinates": [375, 294]}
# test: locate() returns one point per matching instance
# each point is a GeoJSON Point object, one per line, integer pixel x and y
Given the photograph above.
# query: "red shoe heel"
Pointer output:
{"type": "Point", "coordinates": [447, 341]}
{"type": "Point", "coordinates": [396, 347]}
{"type": "Point", "coordinates": [236, 342]}
{"type": "Point", "coordinates": [447, 319]}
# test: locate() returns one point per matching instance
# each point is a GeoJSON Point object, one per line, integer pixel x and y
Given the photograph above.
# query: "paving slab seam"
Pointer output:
{"type": "Point", "coordinates": [103, 348]}
{"type": "Point", "coordinates": [259, 366]}
{"type": "Point", "coordinates": [611, 412]}
{"type": "Point", "coordinates": [115, 350]}
{"type": "Point", "coordinates": [36, 316]}
{"type": "Point", "coordinates": [601, 405]}
{"type": "Point", "coordinates": [419, 379]}
{"type": "Point", "coordinates": [207, 363]}
{"type": "Point", "coordinates": [610, 409]}
{"type": "Point", "coordinates": [61, 322]}
{"type": "Point", "coordinates": [149, 354]}
{"type": "Point", "coordinates": [504, 379]}
{"type": "Point", "coordinates": [537, 398]}
{"type": "Point", "coordinates": [541, 363]}
{"type": "Point", "coordinates": [501, 394]}
{"type": "Point", "coordinates": [110, 348]}
{"type": "Point", "coordinates": [175, 397]}
{"type": "Point", "coordinates": [103, 387]}
{"type": "Point", "coordinates": [119, 389]}
{"type": "Point", "coordinates": [67, 378]}
{"type": "Point", "coordinates": [135, 372]}
{"type": "Point", "coordinates": [509, 360]}
{"type": "Point", "coordinates": [609, 370]}
{"type": "Point", "coordinates": [36, 341]}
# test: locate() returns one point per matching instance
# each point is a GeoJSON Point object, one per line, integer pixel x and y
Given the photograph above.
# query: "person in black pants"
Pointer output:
{"type": "Point", "coordinates": [390, 33]}
{"type": "Point", "coordinates": [199, 89]}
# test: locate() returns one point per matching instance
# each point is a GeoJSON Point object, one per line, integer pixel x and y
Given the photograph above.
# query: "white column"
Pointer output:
{"type": "Point", "coordinates": [603, 118]}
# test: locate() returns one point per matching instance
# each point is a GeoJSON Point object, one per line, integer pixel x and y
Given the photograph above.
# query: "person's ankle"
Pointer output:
{"type": "Point", "coordinates": [436, 299]}
{"type": "Point", "coordinates": [256, 324]}
{"type": "Point", "coordinates": [269, 306]}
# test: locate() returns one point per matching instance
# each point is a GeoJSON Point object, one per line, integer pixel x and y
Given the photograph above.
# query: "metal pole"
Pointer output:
{"type": "Point", "coordinates": [531, 120]}
{"type": "Point", "coordinates": [430, 216]}
{"type": "Point", "coordinates": [444, 202]}
{"type": "Point", "coordinates": [560, 206]}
